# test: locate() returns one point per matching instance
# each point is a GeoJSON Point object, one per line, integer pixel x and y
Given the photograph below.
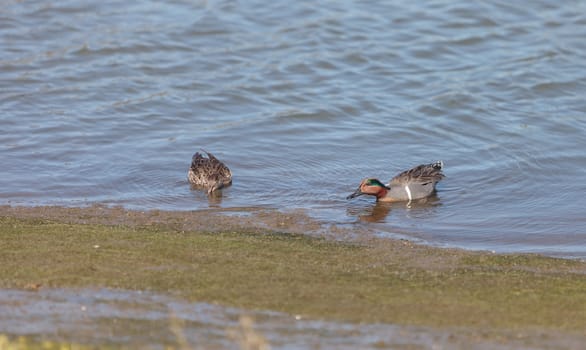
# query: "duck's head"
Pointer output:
{"type": "Point", "coordinates": [371, 187]}
{"type": "Point", "coordinates": [216, 183]}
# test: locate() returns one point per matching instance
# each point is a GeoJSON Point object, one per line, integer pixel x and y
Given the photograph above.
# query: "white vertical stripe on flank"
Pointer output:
{"type": "Point", "coordinates": [408, 192]}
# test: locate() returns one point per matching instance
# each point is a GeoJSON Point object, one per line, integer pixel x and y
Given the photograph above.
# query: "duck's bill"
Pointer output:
{"type": "Point", "coordinates": [355, 194]}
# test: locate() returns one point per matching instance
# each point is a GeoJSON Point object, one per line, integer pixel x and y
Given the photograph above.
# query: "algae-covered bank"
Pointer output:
{"type": "Point", "coordinates": [361, 281]}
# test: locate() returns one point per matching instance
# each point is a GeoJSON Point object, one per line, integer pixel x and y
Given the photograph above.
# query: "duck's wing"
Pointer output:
{"type": "Point", "coordinates": [219, 169]}
{"type": "Point", "coordinates": [421, 174]}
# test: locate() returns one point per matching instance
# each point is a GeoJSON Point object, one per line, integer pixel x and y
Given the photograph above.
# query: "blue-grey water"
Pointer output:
{"type": "Point", "coordinates": [106, 101]}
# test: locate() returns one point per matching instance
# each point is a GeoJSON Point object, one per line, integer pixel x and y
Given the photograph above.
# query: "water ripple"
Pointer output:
{"type": "Point", "coordinates": [107, 101]}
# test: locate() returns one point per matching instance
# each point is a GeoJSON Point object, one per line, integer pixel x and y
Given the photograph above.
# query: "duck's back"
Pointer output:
{"type": "Point", "coordinates": [205, 170]}
{"type": "Point", "coordinates": [416, 183]}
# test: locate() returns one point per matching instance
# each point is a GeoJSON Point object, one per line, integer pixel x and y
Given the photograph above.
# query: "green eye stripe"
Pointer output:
{"type": "Point", "coordinates": [374, 182]}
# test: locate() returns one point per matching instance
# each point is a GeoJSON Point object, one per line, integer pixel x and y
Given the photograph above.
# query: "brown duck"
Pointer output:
{"type": "Point", "coordinates": [209, 172]}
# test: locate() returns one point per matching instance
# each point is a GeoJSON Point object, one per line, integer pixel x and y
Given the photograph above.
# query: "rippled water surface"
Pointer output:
{"type": "Point", "coordinates": [106, 101]}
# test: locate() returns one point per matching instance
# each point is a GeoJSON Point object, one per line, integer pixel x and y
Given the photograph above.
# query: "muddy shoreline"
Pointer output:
{"type": "Point", "coordinates": [259, 259]}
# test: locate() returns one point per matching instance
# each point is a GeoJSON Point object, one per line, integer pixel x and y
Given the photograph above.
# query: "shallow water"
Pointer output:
{"type": "Point", "coordinates": [105, 102]}
{"type": "Point", "coordinates": [148, 320]}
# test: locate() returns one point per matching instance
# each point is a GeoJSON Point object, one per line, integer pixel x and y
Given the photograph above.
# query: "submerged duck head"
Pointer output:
{"type": "Point", "coordinates": [371, 187]}
{"type": "Point", "coordinates": [216, 182]}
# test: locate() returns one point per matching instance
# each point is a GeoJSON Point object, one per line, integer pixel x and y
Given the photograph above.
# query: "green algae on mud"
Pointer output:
{"type": "Point", "coordinates": [377, 281]}
{"type": "Point", "coordinates": [24, 343]}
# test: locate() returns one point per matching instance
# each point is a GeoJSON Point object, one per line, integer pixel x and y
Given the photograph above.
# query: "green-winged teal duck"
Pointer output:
{"type": "Point", "coordinates": [416, 183]}
{"type": "Point", "coordinates": [209, 172]}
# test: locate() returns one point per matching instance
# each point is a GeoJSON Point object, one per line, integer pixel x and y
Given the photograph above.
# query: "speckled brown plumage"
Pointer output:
{"type": "Point", "coordinates": [209, 173]}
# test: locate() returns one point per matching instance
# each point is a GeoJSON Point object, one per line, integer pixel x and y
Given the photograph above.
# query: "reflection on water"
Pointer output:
{"type": "Point", "coordinates": [378, 212]}
{"type": "Point", "coordinates": [106, 102]}
{"type": "Point", "coordinates": [147, 320]}
{"type": "Point", "coordinates": [214, 199]}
